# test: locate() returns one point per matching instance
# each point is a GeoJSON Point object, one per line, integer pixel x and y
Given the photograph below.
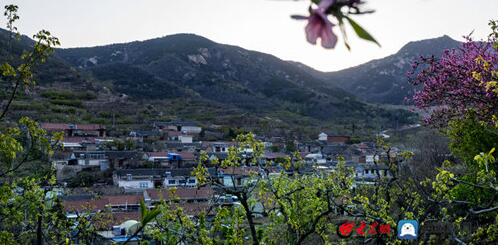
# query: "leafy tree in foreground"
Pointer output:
{"type": "Point", "coordinates": [302, 206]}
{"type": "Point", "coordinates": [287, 203]}
{"type": "Point", "coordinates": [464, 83]}
{"type": "Point", "coordinates": [30, 213]}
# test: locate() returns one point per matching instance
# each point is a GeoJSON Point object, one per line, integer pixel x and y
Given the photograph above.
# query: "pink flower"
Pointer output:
{"type": "Point", "coordinates": [320, 26]}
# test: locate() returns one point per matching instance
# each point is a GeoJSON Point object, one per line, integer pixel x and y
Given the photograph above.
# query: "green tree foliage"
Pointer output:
{"type": "Point", "coordinates": [469, 137]}
{"type": "Point", "coordinates": [301, 205]}
{"type": "Point", "coordinates": [289, 202]}
{"type": "Point", "coordinates": [466, 191]}
{"type": "Point", "coordinates": [298, 205]}
{"type": "Point", "coordinates": [30, 213]}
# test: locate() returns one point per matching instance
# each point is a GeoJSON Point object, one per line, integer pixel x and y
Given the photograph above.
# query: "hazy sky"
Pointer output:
{"type": "Point", "coordinates": [262, 25]}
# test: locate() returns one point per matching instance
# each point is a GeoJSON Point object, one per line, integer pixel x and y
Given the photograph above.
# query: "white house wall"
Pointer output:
{"type": "Point", "coordinates": [191, 129]}
{"type": "Point", "coordinates": [135, 184]}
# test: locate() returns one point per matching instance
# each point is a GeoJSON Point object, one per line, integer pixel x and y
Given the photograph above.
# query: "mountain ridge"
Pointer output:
{"type": "Point", "coordinates": [197, 63]}
{"type": "Point", "coordinates": [384, 80]}
{"type": "Point", "coordinates": [187, 76]}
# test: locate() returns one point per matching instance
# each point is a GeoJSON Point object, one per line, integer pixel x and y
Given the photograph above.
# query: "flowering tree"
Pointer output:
{"type": "Point", "coordinates": [319, 25]}
{"type": "Point", "coordinates": [297, 207]}
{"type": "Point", "coordinates": [463, 84]}
{"type": "Point", "coordinates": [463, 79]}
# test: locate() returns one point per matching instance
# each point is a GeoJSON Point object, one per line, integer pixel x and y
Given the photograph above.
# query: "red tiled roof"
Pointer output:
{"type": "Point", "coordinates": [62, 126]}
{"type": "Point", "coordinates": [189, 208]}
{"type": "Point", "coordinates": [186, 155]}
{"type": "Point", "coordinates": [81, 205]}
{"type": "Point", "coordinates": [123, 199]}
{"type": "Point", "coordinates": [120, 217]}
{"type": "Point", "coordinates": [101, 203]}
{"type": "Point", "coordinates": [174, 133]}
{"type": "Point", "coordinates": [338, 138]}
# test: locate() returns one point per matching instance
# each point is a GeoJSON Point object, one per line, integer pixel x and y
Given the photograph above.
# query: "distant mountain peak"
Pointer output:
{"type": "Point", "coordinates": [186, 75]}
{"type": "Point", "coordinates": [174, 65]}
{"type": "Point", "coordinates": [384, 80]}
{"type": "Point", "coordinates": [433, 45]}
{"type": "Point", "coordinates": [183, 36]}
